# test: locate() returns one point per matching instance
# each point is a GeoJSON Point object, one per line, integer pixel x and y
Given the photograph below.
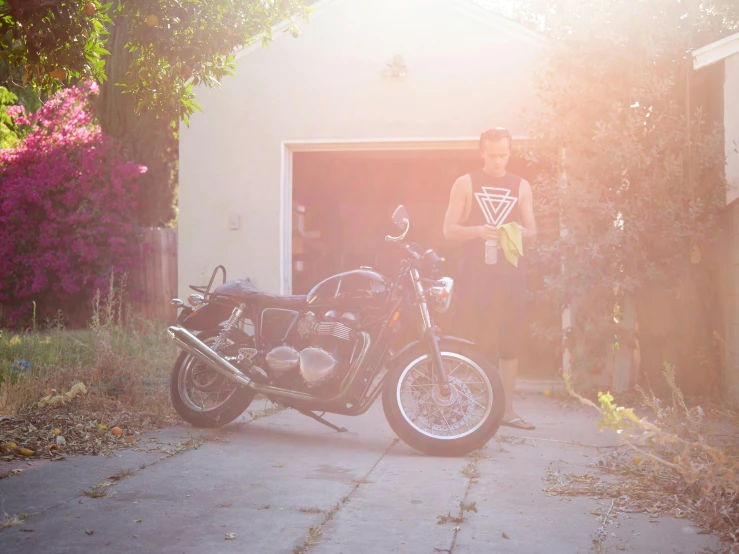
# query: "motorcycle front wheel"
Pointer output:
{"type": "Point", "coordinates": [202, 396]}
{"type": "Point", "coordinates": [454, 425]}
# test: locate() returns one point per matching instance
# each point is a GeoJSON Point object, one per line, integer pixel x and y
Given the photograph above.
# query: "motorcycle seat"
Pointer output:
{"type": "Point", "coordinates": [245, 290]}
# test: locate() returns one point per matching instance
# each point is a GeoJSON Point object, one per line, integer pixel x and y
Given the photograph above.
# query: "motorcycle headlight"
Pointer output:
{"type": "Point", "coordinates": [441, 294]}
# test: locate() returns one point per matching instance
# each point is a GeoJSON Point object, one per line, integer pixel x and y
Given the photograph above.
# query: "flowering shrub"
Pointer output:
{"type": "Point", "coordinates": [67, 204]}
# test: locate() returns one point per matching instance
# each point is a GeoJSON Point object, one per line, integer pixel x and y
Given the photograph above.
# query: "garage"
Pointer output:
{"type": "Point", "coordinates": [293, 168]}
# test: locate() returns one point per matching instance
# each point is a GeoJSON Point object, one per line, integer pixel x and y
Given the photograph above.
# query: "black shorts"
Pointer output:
{"type": "Point", "coordinates": [489, 309]}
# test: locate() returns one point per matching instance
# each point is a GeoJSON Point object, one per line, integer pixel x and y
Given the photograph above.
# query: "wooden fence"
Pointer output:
{"type": "Point", "coordinates": [154, 283]}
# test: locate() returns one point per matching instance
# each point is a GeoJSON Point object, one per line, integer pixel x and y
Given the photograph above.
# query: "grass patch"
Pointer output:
{"type": "Point", "coordinates": [123, 362]}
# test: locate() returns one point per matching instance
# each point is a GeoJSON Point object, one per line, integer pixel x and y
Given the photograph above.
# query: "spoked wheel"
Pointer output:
{"type": "Point", "coordinates": [201, 395]}
{"type": "Point", "coordinates": [445, 425]}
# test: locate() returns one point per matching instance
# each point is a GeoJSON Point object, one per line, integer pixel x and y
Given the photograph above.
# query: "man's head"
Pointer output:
{"type": "Point", "coordinates": [495, 149]}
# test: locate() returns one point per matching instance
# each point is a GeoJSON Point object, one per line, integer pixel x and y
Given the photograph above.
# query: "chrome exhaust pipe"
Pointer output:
{"type": "Point", "coordinates": [195, 347]}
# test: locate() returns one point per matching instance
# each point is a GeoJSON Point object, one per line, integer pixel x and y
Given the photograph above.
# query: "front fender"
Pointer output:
{"type": "Point", "coordinates": [205, 317]}
{"type": "Point", "coordinates": [445, 341]}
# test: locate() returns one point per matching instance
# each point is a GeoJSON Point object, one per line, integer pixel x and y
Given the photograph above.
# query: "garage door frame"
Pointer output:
{"type": "Point", "coordinates": [289, 147]}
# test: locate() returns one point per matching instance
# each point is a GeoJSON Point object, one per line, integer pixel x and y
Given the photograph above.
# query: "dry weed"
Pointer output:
{"type": "Point", "coordinates": [10, 521]}
{"type": "Point", "coordinates": [123, 363]}
{"type": "Point", "coordinates": [673, 466]}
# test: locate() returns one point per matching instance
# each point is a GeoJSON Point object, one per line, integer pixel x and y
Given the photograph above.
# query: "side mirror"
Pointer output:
{"type": "Point", "coordinates": [400, 216]}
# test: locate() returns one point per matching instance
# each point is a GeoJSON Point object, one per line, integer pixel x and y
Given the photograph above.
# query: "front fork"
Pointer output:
{"type": "Point", "coordinates": [429, 333]}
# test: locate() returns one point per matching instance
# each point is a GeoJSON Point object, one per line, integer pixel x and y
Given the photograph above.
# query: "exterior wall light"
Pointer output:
{"type": "Point", "coordinates": [396, 69]}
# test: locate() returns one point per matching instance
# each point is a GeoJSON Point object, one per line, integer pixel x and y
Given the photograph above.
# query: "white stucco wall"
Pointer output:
{"type": "Point", "coordinates": [466, 73]}
{"type": "Point", "coordinates": [731, 124]}
{"type": "Point", "coordinates": [731, 135]}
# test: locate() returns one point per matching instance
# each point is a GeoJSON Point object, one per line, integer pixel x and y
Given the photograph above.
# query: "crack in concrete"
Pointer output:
{"type": "Point", "coordinates": [472, 470]}
{"type": "Point", "coordinates": [317, 530]}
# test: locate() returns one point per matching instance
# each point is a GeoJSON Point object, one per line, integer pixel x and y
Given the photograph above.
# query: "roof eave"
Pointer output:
{"type": "Point", "coordinates": [716, 51]}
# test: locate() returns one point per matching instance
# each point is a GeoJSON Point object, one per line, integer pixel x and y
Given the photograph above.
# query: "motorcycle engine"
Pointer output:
{"type": "Point", "coordinates": [331, 340]}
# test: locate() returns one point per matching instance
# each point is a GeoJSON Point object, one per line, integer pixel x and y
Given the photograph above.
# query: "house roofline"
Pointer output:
{"type": "Point", "coordinates": [466, 7]}
{"type": "Point", "coordinates": [716, 51]}
{"type": "Point", "coordinates": [498, 21]}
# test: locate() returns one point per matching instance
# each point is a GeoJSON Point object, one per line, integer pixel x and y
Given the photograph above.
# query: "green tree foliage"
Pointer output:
{"type": "Point", "coordinates": [148, 56]}
{"type": "Point", "coordinates": [644, 176]}
{"type": "Point", "coordinates": [54, 40]}
{"type": "Point", "coordinates": [8, 132]}
{"type": "Point", "coordinates": [174, 44]}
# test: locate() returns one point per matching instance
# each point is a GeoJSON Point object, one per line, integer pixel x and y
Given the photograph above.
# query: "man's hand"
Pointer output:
{"type": "Point", "coordinates": [488, 232]}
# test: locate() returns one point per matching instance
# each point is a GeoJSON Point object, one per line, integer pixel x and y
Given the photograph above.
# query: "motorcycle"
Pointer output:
{"type": "Point", "coordinates": [354, 336]}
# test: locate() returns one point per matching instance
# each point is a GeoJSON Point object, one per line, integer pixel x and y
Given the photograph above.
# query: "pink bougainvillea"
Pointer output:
{"type": "Point", "coordinates": [67, 203]}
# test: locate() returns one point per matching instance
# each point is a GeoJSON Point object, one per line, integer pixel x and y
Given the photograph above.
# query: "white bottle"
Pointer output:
{"type": "Point", "coordinates": [491, 252]}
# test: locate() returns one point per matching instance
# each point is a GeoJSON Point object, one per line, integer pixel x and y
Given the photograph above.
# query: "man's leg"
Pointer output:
{"type": "Point", "coordinates": [511, 331]}
{"type": "Point", "coordinates": [508, 370]}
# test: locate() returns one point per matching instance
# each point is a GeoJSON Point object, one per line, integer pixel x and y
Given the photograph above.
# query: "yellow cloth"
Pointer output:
{"type": "Point", "coordinates": [511, 241]}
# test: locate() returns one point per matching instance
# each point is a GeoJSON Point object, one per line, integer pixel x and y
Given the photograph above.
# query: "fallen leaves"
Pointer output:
{"type": "Point", "coordinates": [230, 536]}
{"type": "Point", "coordinates": [505, 536]}
{"type": "Point", "coordinates": [78, 426]}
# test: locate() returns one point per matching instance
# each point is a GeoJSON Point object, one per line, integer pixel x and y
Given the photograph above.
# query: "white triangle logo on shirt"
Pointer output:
{"type": "Point", "coordinates": [496, 204]}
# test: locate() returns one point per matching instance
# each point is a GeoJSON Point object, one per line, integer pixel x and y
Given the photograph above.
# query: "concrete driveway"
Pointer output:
{"type": "Point", "coordinates": [286, 484]}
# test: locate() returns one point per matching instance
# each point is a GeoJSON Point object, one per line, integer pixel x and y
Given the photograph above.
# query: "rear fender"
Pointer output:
{"type": "Point", "coordinates": [206, 317]}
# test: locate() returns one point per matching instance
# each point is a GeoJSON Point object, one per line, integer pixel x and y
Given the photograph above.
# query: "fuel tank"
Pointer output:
{"type": "Point", "coordinates": [359, 289]}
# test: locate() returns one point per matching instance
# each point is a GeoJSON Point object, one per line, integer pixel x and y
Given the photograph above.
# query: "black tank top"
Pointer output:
{"type": "Point", "coordinates": [494, 202]}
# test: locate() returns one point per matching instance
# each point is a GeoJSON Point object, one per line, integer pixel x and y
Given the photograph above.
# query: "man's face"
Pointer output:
{"type": "Point", "coordinates": [495, 153]}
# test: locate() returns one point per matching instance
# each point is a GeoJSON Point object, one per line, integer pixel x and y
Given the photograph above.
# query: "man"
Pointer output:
{"type": "Point", "coordinates": [490, 297]}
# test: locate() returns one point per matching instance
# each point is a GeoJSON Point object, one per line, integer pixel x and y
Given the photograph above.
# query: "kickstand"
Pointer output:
{"type": "Point", "coordinates": [319, 419]}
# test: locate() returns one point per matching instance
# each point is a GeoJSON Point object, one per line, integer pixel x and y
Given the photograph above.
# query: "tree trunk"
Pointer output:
{"type": "Point", "coordinates": [147, 140]}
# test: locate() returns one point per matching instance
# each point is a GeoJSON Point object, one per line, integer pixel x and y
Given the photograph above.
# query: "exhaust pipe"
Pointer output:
{"type": "Point", "coordinates": [194, 346]}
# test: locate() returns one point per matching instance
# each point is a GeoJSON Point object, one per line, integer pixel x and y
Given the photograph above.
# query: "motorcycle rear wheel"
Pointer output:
{"type": "Point", "coordinates": [183, 373]}
{"type": "Point", "coordinates": [438, 426]}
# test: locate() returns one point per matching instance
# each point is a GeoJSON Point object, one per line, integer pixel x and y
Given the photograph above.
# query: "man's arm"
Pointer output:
{"type": "Point", "coordinates": [455, 214]}
{"type": "Point", "coordinates": [526, 207]}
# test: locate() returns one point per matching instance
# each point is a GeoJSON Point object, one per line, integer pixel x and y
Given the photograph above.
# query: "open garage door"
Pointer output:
{"type": "Point", "coordinates": [347, 199]}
